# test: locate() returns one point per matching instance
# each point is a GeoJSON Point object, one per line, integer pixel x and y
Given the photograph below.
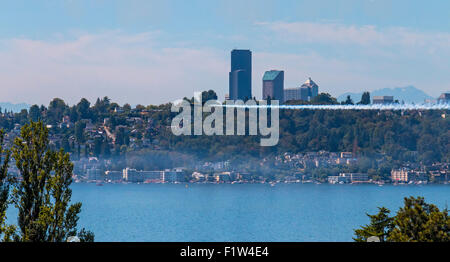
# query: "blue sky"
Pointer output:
{"type": "Point", "coordinates": [152, 52]}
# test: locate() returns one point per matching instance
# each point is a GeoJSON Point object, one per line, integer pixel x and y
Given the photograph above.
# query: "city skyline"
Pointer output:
{"type": "Point", "coordinates": [147, 52]}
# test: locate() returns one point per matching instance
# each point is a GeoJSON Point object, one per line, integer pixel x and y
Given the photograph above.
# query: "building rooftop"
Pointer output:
{"type": "Point", "coordinates": [241, 50]}
{"type": "Point", "coordinates": [310, 82]}
{"type": "Point", "coordinates": [271, 75]}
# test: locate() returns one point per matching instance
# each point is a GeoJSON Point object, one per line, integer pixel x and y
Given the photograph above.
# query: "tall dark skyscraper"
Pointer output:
{"type": "Point", "coordinates": [241, 75]}
{"type": "Point", "coordinates": [273, 85]}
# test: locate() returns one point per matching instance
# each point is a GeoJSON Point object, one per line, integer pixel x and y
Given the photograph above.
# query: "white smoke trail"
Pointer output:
{"type": "Point", "coordinates": [440, 106]}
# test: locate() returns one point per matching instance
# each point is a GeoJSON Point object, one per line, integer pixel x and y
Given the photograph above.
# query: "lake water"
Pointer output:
{"type": "Point", "coordinates": [240, 212]}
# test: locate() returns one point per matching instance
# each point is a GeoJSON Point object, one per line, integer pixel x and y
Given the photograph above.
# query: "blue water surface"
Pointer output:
{"type": "Point", "coordinates": [239, 212]}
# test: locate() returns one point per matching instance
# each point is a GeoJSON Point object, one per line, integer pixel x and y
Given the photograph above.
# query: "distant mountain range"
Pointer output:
{"type": "Point", "coordinates": [408, 94]}
{"type": "Point", "coordinates": [13, 107]}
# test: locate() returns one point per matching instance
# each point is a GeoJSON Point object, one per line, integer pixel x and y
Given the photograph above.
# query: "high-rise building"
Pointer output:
{"type": "Point", "coordinates": [306, 92]}
{"type": "Point", "coordinates": [292, 94]}
{"type": "Point", "coordinates": [313, 88]}
{"type": "Point", "coordinates": [240, 76]}
{"type": "Point", "coordinates": [273, 85]}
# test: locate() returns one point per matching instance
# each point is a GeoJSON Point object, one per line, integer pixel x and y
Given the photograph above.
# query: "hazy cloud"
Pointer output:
{"type": "Point", "coordinates": [147, 68]}
{"type": "Point", "coordinates": [368, 56]}
{"type": "Point", "coordinates": [126, 67]}
{"type": "Point", "coordinates": [368, 35]}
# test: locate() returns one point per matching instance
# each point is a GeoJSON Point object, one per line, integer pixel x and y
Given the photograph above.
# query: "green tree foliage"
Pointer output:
{"type": "Point", "coordinates": [101, 107]}
{"type": "Point", "coordinates": [22, 116]}
{"type": "Point", "coordinates": [122, 136]}
{"type": "Point", "coordinates": [348, 101]}
{"type": "Point", "coordinates": [400, 136]}
{"type": "Point", "coordinates": [419, 221]}
{"type": "Point", "coordinates": [127, 108]}
{"type": "Point", "coordinates": [79, 131]}
{"type": "Point", "coordinates": [380, 226]}
{"type": "Point", "coordinates": [43, 195]}
{"type": "Point", "coordinates": [324, 99]}
{"type": "Point", "coordinates": [208, 95]}
{"type": "Point", "coordinates": [83, 109]}
{"type": "Point", "coordinates": [6, 232]}
{"type": "Point", "coordinates": [416, 221]}
{"type": "Point", "coordinates": [35, 113]}
{"type": "Point", "coordinates": [98, 143]}
{"type": "Point", "coordinates": [56, 110]}
{"type": "Point", "coordinates": [427, 145]}
{"type": "Point", "coordinates": [365, 99]}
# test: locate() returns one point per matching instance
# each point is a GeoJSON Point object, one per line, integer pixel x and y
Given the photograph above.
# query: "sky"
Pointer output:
{"type": "Point", "coordinates": [152, 52]}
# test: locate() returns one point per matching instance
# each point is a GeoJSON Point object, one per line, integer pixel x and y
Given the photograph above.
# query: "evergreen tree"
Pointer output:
{"type": "Point", "coordinates": [6, 232]}
{"type": "Point", "coordinates": [79, 131]}
{"type": "Point", "coordinates": [208, 95]}
{"type": "Point", "coordinates": [127, 108]}
{"type": "Point", "coordinates": [35, 113]}
{"type": "Point", "coordinates": [348, 101]}
{"type": "Point", "coordinates": [380, 226]}
{"type": "Point", "coordinates": [43, 195]}
{"type": "Point", "coordinates": [417, 221]}
{"type": "Point", "coordinates": [56, 110]}
{"type": "Point", "coordinates": [365, 99]}
{"type": "Point", "coordinates": [98, 142]}
{"type": "Point", "coordinates": [83, 109]}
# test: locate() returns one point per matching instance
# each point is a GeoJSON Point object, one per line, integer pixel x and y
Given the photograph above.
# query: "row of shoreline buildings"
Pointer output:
{"type": "Point", "coordinates": [405, 175]}
{"type": "Point", "coordinates": [130, 175]}
{"type": "Point", "coordinates": [301, 166]}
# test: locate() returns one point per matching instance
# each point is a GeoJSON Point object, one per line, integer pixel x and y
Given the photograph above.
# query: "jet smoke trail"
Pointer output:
{"type": "Point", "coordinates": [443, 106]}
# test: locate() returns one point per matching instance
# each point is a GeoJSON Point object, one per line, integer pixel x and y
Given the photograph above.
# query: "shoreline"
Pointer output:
{"type": "Point", "coordinates": [253, 183]}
